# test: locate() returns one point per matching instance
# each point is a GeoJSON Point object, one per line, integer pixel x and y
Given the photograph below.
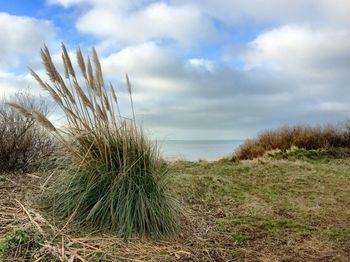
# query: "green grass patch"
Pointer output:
{"type": "Point", "coordinates": [21, 242]}
{"type": "Point", "coordinates": [126, 204]}
{"type": "Point", "coordinates": [339, 234]}
{"type": "Point", "coordinates": [312, 154]}
{"type": "Point", "coordinates": [262, 205]}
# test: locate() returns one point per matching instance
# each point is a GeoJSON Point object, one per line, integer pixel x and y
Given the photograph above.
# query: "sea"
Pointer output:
{"type": "Point", "coordinates": [193, 150]}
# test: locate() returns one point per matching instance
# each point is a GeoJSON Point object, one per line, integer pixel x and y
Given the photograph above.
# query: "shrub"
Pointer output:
{"type": "Point", "coordinates": [305, 137]}
{"type": "Point", "coordinates": [114, 178]}
{"type": "Point", "coordinates": [23, 143]}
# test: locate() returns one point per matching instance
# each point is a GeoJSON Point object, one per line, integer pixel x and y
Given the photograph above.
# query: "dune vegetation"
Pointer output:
{"type": "Point", "coordinates": [305, 137]}
{"type": "Point", "coordinates": [112, 177]}
{"type": "Point", "coordinates": [102, 192]}
{"type": "Point", "coordinates": [271, 209]}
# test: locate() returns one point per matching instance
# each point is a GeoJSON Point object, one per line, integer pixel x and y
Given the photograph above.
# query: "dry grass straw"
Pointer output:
{"type": "Point", "coordinates": [60, 244]}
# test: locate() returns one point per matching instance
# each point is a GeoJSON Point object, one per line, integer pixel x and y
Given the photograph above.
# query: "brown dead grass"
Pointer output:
{"type": "Point", "coordinates": [306, 137]}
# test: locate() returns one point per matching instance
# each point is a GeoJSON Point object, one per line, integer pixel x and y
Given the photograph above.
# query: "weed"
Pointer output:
{"type": "Point", "coordinates": [21, 241]}
{"type": "Point", "coordinates": [100, 257]}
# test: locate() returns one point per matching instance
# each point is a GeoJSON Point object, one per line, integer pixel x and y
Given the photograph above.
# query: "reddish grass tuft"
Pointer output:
{"type": "Point", "coordinates": [306, 137]}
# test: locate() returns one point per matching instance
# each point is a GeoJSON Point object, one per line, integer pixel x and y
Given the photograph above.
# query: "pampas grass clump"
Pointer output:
{"type": "Point", "coordinates": [113, 177]}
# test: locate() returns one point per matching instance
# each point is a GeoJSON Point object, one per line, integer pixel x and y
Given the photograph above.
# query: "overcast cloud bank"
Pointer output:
{"type": "Point", "coordinates": [195, 74]}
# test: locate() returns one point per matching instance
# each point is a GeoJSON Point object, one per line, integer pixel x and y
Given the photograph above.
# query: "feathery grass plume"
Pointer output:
{"type": "Point", "coordinates": [82, 95]}
{"type": "Point", "coordinates": [106, 102]}
{"type": "Point", "coordinates": [128, 84]}
{"type": "Point", "coordinates": [37, 78]}
{"type": "Point", "coordinates": [41, 119]}
{"type": "Point", "coordinates": [70, 113]}
{"type": "Point", "coordinates": [98, 70]}
{"type": "Point", "coordinates": [114, 177]}
{"type": "Point", "coordinates": [49, 65]}
{"type": "Point", "coordinates": [100, 113]}
{"type": "Point", "coordinates": [54, 75]}
{"type": "Point", "coordinates": [53, 94]}
{"type": "Point", "coordinates": [81, 63]}
{"type": "Point", "coordinates": [46, 86]}
{"type": "Point", "coordinates": [21, 110]}
{"type": "Point", "coordinates": [115, 99]}
{"type": "Point", "coordinates": [66, 73]}
{"type": "Point", "coordinates": [67, 62]}
{"type": "Point", "coordinates": [90, 75]}
{"type": "Point", "coordinates": [114, 95]}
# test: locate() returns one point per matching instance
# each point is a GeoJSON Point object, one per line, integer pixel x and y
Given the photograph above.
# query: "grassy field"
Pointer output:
{"type": "Point", "coordinates": [260, 210]}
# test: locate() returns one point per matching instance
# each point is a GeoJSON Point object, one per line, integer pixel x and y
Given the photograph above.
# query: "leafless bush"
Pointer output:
{"type": "Point", "coordinates": [23, 143]}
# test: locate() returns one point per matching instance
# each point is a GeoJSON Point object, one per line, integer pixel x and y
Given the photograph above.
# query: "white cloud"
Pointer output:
{"type": "Point", "coordinates": [286, 11]}
{"type": "Point", "coordinates": [66, 3]}
{"type": "Point", "coordinates": [180, 98]}
{"type": "Point", "coordinates": [156, 21]}
{"type": "Point", "coordinates": [119, 23]}
{"type": "Point", "coordinates": [135, 59]}
{"type": "Point", "coordinates": [233, 11]}
{"type": "Point", "coordinates": [151, 67]}
{"type": "Point", "coordinates": [22, 36]}
{"type": "Point", "coordinates": [129, 22]}
{"type": "Point", "coordinates": [11, 83]}
{"type": "Point", "coordinates": [302, 51]}
{"type": "Point", "coordinates": [336, 11]}
{"type": "Point", "coordinates": [294, 73]}
{"type": "Point", "coordinates": [201, 64]}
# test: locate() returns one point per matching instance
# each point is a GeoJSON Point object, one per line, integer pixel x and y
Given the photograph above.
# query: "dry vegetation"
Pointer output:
{"type": "Point", "coordinates": [305, 137]}
{"type": "Point", "coordinates": [23, 143]}
{"type": "Point", "coordinates": [266, 210]}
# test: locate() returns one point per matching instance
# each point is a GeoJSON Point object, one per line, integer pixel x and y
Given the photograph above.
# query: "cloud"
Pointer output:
{"type": "Point", "coordinates": [295, 46]}
{"type": "Point", "coordinates": [188, 22]}
{"type": "Point", "coordinates": [194, 98]}
{"type": "Point", "coordinates": [66, 3]}
{"type": "Point", "coordinates": [11, 83]}
{"type": "Point", "coordinates": [130, 22]}
{"type": "Point", "coordinates": [238, 11]}
{"type": "Point", "coordinates": [294, 71]}
{"type": "Point", "coordinates": [318, 58]}
{"type": "Point", "coordinates": [22, 36]}
{"type": "Point", "coordinates": [234, 12]}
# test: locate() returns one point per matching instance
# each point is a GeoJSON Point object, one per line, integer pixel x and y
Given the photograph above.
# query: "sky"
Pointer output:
{"type": "Point", "coordinates": [200, 69]}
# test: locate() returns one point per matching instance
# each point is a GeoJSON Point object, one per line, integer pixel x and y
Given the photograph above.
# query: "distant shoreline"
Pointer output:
{"type": "Point", "coordinates": [194, 150]}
